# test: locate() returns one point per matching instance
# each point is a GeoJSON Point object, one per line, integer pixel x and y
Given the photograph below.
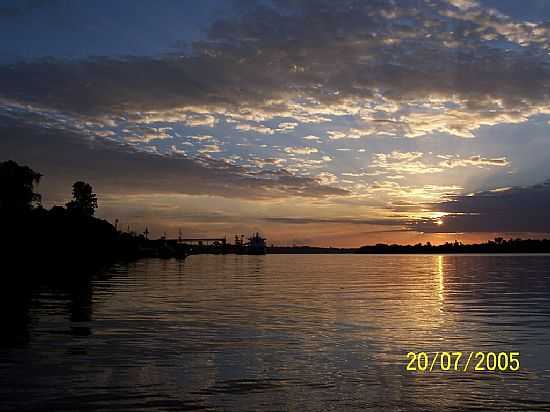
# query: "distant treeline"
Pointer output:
{"type": "Point", "coordinates": [498, 245]}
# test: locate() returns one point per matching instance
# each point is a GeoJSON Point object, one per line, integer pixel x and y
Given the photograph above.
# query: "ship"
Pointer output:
{"type": "Point", "coordinates": [256, 245]}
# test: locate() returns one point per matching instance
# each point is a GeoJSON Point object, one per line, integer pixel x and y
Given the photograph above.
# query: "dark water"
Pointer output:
{"type": "Point", "coordinates": [280, 333]}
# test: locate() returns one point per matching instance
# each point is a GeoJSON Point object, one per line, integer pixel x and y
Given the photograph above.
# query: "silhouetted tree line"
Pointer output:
{"type": "Point", "coordinates": [498, 245]}
{"type": "Point", "coordinates": [63, 237]}
{"type": "Point", "coordinates": [33, 236]}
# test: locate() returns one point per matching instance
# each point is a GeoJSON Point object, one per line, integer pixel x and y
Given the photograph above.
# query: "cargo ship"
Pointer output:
{"type": "Point", "coordinates": [256, 245]}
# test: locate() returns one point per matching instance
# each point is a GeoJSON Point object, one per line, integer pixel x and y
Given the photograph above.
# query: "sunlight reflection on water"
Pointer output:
{"type": "Point", "coordinates": [295, 332]}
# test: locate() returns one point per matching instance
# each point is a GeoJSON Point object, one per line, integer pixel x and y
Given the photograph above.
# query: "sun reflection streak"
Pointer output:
{"type": "Point", "coordinates": [441, 281]}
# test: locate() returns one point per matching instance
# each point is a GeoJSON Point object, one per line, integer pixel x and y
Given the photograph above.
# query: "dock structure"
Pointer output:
{"type": "Point", "coordinates": [195, 245]}
{"type": "Point", "coordinates": [203, 241]}
{"type": "Point", "coordinates": [255, 245]}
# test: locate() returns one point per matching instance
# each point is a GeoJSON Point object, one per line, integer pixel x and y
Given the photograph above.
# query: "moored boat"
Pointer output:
{"type": "Point", "coordinates": [256, 245]}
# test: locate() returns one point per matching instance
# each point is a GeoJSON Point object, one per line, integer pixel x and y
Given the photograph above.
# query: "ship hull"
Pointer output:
{"type": "Point", "coordinates": [256, 252]}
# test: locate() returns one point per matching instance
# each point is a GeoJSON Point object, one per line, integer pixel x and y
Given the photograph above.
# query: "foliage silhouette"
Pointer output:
{"type": "Point", "coordinates": [70, 237]}
{"type": "Point", "coordinates": [84, 200]}
{"type": "Point", "coordinates": [17, 188]}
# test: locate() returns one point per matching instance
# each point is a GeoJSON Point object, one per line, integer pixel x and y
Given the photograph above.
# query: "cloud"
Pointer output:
{"type": "Point", "coordinates": [418, 194]}
{"type": "Point", "coordinates": [301, 150]}
{"type": "Point", "coordinates": [327, 178]}
{"type": "Point", "coordinates": [399, 162]}
{"type": "Point", "coordinates": [351, 221]}
{"type": "Point", "coordinates": [119, 169]}
{"type": "Point", "coordinates": [202, 138]}
{"type": "Point", "coordinates": [147, 134]}
{"type": "Point", "coordinates": [105, 133]}
{"type": "Point", "coordinates": [196, 120]}
{"type": "Point", "coordinates": [517, 209]}
{"type": "Point", "coordinates": [494, 25]}
{"type": "Point", "coordinates": [464, 4]}
{"type": "Point", "coordinates": [210, 148]}
{"type": "Point", "coordinates": [255, 128]}
{"type": "Point", "coordinates": [414, 162]}
{"type": "Point", "coordinates": [352, 133]}
{"type": "Point", "coordinates": [286, 126]}
{"type": "Point", "coordinates": [406, 68]}
{"type": "Point", "coordinates": [270, 161]}
{"type": "Point", "coordinates": [477, 160]}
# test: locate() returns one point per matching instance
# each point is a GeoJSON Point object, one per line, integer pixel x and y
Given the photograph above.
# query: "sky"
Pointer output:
{"type": "Point", "coordinates": [314, 122]}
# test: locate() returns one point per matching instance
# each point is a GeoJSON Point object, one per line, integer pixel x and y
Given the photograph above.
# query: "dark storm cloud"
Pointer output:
{"type": "Point", "coordinates": [332, 51]}
{"type": "Point", "coordinates": [63, 157]}
{"type": "Point", "coordinates": [519, 209]}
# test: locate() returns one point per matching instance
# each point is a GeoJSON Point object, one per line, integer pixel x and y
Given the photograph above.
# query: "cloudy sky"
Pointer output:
{"type": "Point", "coordinates": [322, 122]}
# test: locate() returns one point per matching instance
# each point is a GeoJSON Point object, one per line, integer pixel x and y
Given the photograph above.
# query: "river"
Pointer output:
{"type": "Point", "coordinates": [280, 332]}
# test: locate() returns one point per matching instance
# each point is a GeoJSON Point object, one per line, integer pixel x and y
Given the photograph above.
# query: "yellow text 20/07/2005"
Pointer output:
{"type": "Point", "coordinates": [463, 361]}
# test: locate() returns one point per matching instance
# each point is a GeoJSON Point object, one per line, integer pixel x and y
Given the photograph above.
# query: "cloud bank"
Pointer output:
{"type": "Point", "coordinates": [406, 68]}
{"type": "Point", "coordinates": [120, 169]}
{"type": "Point", "coordinates": [517, 209]}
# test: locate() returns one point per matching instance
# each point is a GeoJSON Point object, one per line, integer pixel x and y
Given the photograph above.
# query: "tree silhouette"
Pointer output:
{"type": "Point", "coordinates": [84, 200]}
{"type": "Point", "coordinates": [17, 188]}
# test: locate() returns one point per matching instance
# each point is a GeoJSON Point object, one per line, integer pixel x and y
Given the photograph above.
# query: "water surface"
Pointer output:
{"type": "Point", "coordinates": [280, 332]}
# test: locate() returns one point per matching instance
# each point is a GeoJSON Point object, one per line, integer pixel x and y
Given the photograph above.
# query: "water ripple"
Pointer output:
{"type": "Point", "coordinates": [309, 332]}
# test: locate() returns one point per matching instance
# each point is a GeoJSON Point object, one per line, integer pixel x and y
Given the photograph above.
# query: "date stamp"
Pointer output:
{"type": "Point", "coordinates": [463, 361]}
